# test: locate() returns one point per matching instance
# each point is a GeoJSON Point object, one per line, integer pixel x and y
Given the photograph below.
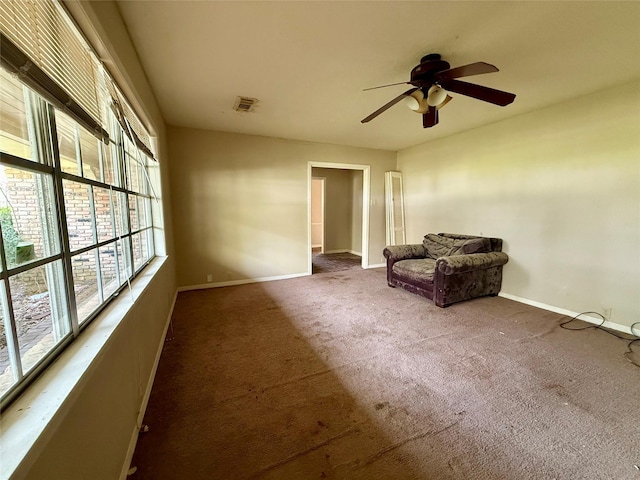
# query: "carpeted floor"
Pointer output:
{"type": "Point", "coordinates": [339, 376]}
{"type": "Point", "coordinates": [335, 262]}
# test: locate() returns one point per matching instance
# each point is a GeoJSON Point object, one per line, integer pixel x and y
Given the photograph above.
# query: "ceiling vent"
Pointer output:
{"type": "Point", "coordinates": [245, 104]}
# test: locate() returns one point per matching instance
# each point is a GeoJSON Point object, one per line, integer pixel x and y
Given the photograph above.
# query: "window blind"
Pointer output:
{"type": "Point", "coordinates": [127, 118]}
{"type": "Point", "coordinates": [48, 46]}
{"type": "Point", "coordinates": [42, 45]}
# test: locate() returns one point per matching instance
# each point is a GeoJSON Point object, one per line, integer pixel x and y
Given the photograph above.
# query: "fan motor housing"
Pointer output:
{"type": "Point", "coordinates": [423, 73]}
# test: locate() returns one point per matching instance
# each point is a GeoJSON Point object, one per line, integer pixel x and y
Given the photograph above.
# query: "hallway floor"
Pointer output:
{"type": "Point", "coordinates": [335, 262]}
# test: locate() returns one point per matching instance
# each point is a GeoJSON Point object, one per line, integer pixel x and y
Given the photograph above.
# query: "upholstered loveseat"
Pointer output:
{"type": "Point", "coordinates": [447, 268]}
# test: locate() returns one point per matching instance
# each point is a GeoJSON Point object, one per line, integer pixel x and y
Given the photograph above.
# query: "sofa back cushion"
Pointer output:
{"type": "Point", "coordinates": [473, 245]}
{"type": "Point", "coordinates": [496, 243]}
{"type": "Point", "coordinates": [437, 246]}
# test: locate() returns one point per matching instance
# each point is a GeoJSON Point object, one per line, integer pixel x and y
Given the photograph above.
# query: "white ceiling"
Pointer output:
{"type": "Point", "coordinates": [307, 62]}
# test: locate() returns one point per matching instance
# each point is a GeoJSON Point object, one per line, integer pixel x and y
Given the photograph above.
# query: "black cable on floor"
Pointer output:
{"type": "Point", "coordinates": [630, 351]}
{"type": "Point", "coordinates": [562, 325]}
{"type": "Point", "coordinates": [631, 340]}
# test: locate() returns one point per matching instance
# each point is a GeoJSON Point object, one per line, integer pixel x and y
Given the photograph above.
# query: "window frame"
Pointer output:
{"type": "Point", "coordinates": [46, 161]}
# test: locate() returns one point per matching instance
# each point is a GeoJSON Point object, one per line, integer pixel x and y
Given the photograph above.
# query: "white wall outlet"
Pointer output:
{"type": "Point", "coordinates": [607, 313]}
{"type": "Point", "coordinates": [209, 277]}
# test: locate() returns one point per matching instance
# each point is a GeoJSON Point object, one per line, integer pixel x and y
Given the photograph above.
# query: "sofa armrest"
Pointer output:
{"type": "Point", "coordinates": [396, 253]}
{"type": "Point", "coordinates": [467, 263]}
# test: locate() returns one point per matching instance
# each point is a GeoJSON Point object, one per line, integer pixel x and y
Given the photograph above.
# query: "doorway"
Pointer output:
{"type": "Point", "coordinates": [359, 203]}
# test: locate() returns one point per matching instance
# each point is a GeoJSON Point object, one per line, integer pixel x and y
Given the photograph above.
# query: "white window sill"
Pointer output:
{"type": "Point", "coordinates": [42, 406]}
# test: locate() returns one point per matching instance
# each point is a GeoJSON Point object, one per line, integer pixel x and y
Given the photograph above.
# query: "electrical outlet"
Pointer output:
{"type": "Point", "coordinates": [607, 313]}
{"type": "Point", "coordinates": [209, 277]}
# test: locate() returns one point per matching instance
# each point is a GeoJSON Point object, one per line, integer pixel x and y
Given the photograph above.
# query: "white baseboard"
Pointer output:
{"type": "Point", "coordinates": [344, 250]}
{"type": "Point", "coordinates": [568, 313]}
{"type": "Point", "coordinates": [230, 283]}
{"type": "Point", "coordinates": [377, 265]}
{"type": "Point", "coordinates": [319, 245]}
{"type": "Point", "coordinates": [145, 399]}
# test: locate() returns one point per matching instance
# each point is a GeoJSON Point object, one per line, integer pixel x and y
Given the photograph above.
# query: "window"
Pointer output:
{"type": "Point", "coordinates": [75, 217]}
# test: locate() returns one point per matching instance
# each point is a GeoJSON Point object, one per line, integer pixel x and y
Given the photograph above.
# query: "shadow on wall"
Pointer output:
{"type": "Point", "coordinates": [204, 270]}
{"type": "Point", "coordinates": [235, 240]}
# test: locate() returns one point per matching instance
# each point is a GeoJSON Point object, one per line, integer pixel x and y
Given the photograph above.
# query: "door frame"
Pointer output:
{"type": "Point", "coordinates": [366, 194]}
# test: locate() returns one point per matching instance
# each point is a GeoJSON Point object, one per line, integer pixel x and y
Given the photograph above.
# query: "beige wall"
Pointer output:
{"type": "Point", "coordinates": [560, 185]}
{"type": "Point", "coordinates": [90, 435]}
{"type": "Point", "coordinates": [338, 208]}
{"type": "Point", "coordinates": [241, 202]}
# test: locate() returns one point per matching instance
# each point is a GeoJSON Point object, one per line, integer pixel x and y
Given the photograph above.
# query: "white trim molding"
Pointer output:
{"type": "Point", "coordinates": [244, 281]}
{"type": "Point", "coordinates": [377, 265]}
{"type": "Point", "coordinates": [568, 313]}
{"type": "Point", "coordinates": [344, 250]}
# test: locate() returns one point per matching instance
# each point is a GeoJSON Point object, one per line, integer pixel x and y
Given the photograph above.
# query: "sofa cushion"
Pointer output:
{"type": "Point", "coordinates": [473, 245]}
{"type": "Point", "coordinates": [418, 270]}
{"type": "Point", "coordinates": [437, 246]}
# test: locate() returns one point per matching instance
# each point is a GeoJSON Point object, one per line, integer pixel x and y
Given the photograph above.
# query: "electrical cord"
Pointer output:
{"type": "Point", "coordinates": [629, 351]}
{"type": "Point", "coordinates": [562, 325]}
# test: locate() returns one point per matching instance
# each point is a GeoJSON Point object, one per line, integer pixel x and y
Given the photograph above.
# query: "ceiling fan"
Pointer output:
{"type": "Point", "coordinates": [433, 79]}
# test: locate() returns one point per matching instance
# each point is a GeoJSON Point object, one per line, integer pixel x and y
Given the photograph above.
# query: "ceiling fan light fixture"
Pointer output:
{"type": "Point", "coordinates": [436, 95]}
{"type": "Point", "coordinates": [416, 102]}
{"type": "Point", "coordinates": [412, 103]}
{"type": "Point", "coordinates": [446, 100]}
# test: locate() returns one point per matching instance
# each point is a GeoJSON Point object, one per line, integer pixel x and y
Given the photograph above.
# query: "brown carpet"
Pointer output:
{"type": "Point", "coordinates": [335, 262]}
{"type": "Point", "coordinates": [339, 376]}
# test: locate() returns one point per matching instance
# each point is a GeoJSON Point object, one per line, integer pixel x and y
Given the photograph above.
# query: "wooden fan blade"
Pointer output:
{"type": "Point", "coordinates": [386, 106]}
{"type": "Point", "coordinates": [486, 94]}
{"type": "Point", "coordinates": [385, 86]}
{"type": "Point", "coordinates": [430, 118]}
{"type": "Point", "coordinates": [477, 68]}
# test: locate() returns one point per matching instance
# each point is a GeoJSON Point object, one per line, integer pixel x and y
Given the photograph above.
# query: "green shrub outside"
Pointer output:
{"type": "Point", "coordinates": [10, 235]}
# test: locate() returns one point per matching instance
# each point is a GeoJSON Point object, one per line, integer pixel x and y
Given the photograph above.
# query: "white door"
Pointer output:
{"type": "Point", "coordinates": [394, 206]}
{"type": "Point", "coordinates": [317, 213]}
